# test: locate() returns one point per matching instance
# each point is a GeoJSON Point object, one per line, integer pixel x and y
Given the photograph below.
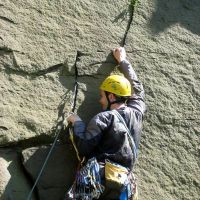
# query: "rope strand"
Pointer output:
{"type": "Point", "coordinates": [57, 133]}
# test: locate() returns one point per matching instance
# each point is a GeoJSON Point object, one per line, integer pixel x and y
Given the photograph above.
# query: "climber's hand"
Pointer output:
{"type": "Point", "coordinates": [72, 118]}
{"type": "Point", "coordinates": [119, 54]}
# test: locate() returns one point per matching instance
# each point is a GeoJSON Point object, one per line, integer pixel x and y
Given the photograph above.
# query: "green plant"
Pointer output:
{"type": "Point", "coordinates": [134, 3]}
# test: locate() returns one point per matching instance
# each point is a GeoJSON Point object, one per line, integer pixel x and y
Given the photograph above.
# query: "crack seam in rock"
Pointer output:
{"type": "Point", "coordinates": [36, 73]}
{"type": "Point", "coordinates": [57, 66]}
{"type": "Point", "coordinates": [7, 19]}
{"type": "Point", "coordinates": [154, 52]}
{"type": "Point", "coordinates": [4, 128]}
{"type": "Point", "coordinates": [75, 92]}
{"type": "Point", "coordinates": [131, 11]}
{"type": "Point", "coordinates": [186, 119]}
{"type": "Point", "coordinates": [7, 49]}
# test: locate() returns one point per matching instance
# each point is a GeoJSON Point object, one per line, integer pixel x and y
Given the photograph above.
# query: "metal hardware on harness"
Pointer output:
{"type": "Point", "coordinates": [87, 185]}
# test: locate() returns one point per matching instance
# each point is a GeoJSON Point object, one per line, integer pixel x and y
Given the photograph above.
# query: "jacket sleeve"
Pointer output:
{"type": "Point", "coordinates": [87, 138]}
{"type": "Point", "coordinates": [137, 99]}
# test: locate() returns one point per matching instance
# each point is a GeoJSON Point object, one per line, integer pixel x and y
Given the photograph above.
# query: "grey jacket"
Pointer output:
{"type": "Point", "coordinates": [105, 137]}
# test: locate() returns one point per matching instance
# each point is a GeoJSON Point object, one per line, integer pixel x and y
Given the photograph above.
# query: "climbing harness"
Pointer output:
{"type": "Point", "coordinates": [87, 184]}
{"type": "Point", "coordinates": [57, 133]}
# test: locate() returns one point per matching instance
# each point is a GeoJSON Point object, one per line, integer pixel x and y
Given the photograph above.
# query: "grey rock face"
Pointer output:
{"type": "Point", "coordinates": [166, 48]}
{"type": "Point", "coordinates": [38, 47]}
{"type": "Point", "coordinates": [13, 181]}
{"type": "Point", "coordinates": [58, 174]}
{"type": "Point", "coordinates": [45, 46]}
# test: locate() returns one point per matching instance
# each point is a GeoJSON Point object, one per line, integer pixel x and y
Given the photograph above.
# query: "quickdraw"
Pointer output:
{"type": "Point", "coordinates": [87, 185]}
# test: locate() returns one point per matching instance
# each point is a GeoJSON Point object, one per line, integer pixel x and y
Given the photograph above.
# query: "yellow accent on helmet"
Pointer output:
{"type": "Point", "coordinates": [117, 84]}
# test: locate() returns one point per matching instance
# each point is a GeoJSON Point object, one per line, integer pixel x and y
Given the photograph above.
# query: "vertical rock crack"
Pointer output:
{"type": "Point", "coordinates": [131, 13]}
{"type": "Point", "coordinates": [75, 92]}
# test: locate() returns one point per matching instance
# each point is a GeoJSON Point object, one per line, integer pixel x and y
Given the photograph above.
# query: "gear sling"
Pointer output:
{"type": "Point", "coordinates": [88, 185]}
{"type": "Point", "coordinates": [129, 191]}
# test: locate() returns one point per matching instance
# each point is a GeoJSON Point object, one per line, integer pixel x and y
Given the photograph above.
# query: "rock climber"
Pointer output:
{"type": "Point", "coordinates": [105, 137]}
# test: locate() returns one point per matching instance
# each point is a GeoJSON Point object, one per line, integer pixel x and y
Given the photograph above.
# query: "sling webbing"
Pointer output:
{"type": "Point", "coordinates": [131, 141]}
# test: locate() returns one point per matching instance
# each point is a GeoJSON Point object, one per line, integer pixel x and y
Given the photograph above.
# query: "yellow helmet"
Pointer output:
{"type": "Point", "coordinates": [117, 84]}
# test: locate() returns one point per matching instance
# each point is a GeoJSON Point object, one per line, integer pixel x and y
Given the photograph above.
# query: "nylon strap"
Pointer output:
{"type": "Point", "coordinates": [71, 135]}
{"type": "Point", "coordinates": [130, 139]}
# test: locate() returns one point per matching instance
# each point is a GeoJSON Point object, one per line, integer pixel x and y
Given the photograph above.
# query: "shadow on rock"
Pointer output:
{"type": "Point", "coordinates": [13, 181]}
{"type": "Point", "coordinates": [184, 12]}
{"type": "Point", "coordinates": [60, 170]}
{"type": "Point", "coordinates": [58, 174]}
{"type": "Point", "coordinates": [90, 106]}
